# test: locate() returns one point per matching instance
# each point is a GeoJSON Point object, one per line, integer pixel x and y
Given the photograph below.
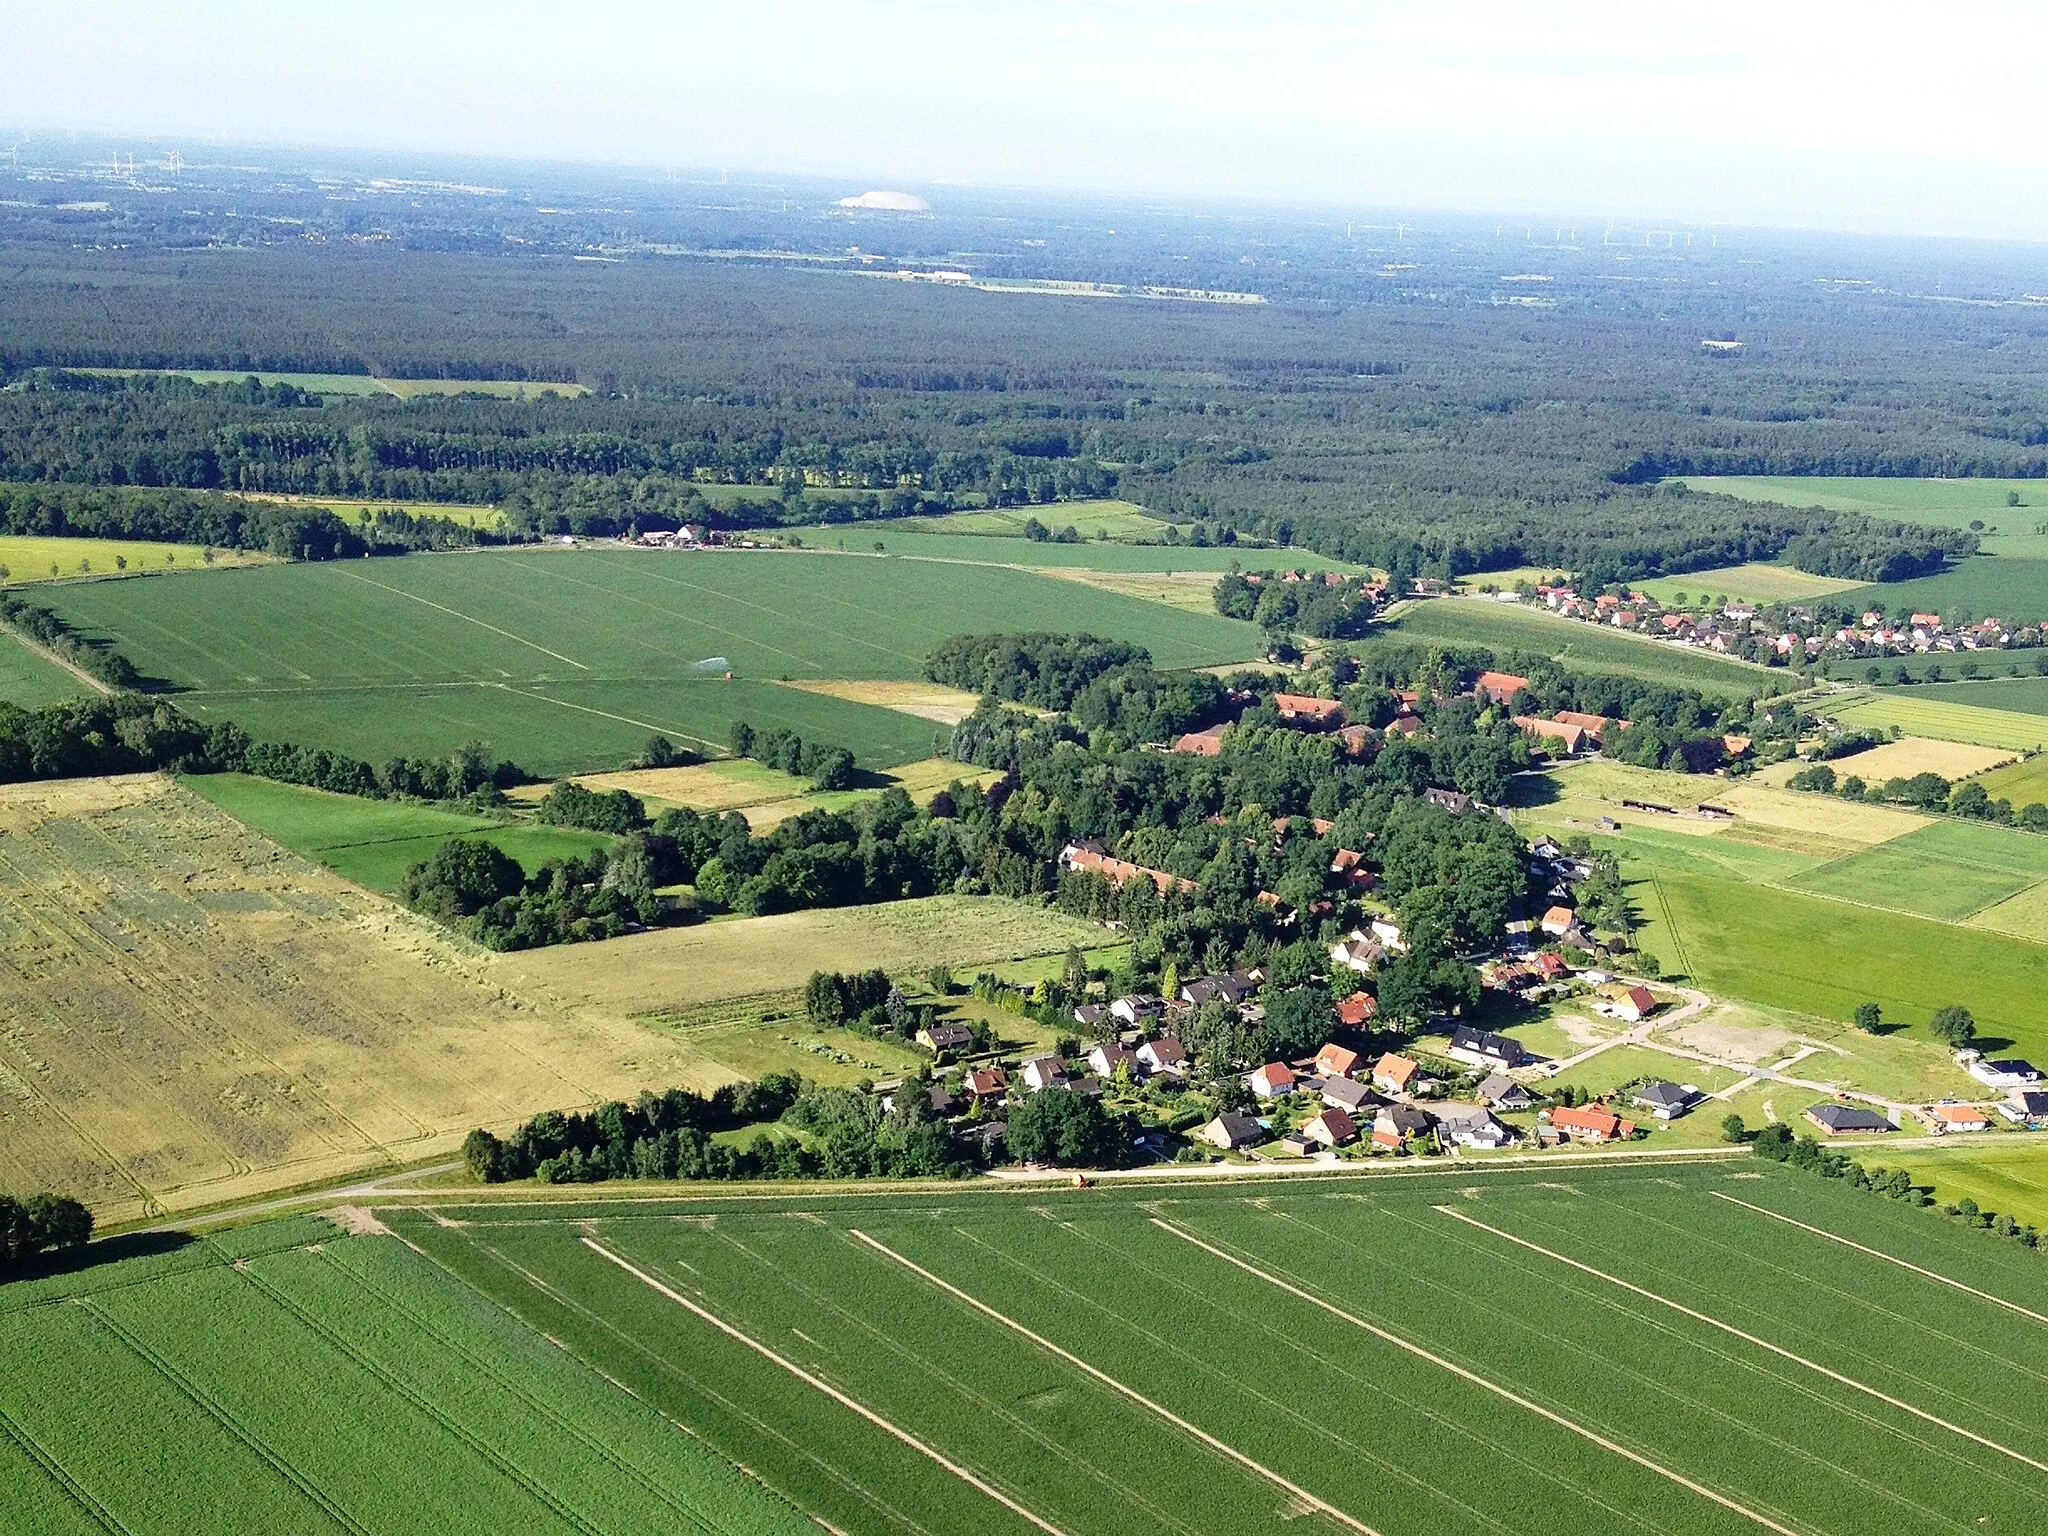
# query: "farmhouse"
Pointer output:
{"type": "Point", "coordinates": [1230, 1131]}
{"type": "Point", "coordinates": [1848, 1120]}
{"type": "Point", "coordinates": [1396, 1074]}
{"type": "Point", "coordinates": [1332, 1128]}
{"type": "Point", "coordinates": [1478, 1048]}
{"type": "Point", "coordinates": [1503, 1092]}
{"type": "Point", "coordinates": [1334, 1060]}
{"type": "Point", "coordinates": [1667, 1101]}
{"type": "Point", "coordinates": [1553, 735]}
{"type": "Point", "coordinates": [1591, 1122]}
{"type": "Point", "coordinates": [1595, 726]}
{"type": "Point", "coordinates": [1271, 1081]}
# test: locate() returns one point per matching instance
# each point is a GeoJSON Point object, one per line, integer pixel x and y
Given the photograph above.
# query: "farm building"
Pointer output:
{"type": "Point", "coordinates": [1553, 735]}
{"type": "Point", "coordinates": [1498, 687]}
{"type": "Point", "coordinates": [1207, 743]}
{"type": "Point", "coordinates": [1296, 707]}
{"type": "Point", "coordinates": [1848, 1120]}
{"type": "Point", "coordinates": [1332, 1128]}
{"type": "Point", "coordinates": [1478, 1048]}
{"type": "Point", "coordinates": [1271, 1081]}
{"type": "Point", "coordinates": [1230, 1131]}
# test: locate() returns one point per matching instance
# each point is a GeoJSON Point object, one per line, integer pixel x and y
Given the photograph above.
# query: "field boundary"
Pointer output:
{"type": "Point", "coordinates": [1320, 1505]}
{"type": "Point", "coordinates": [965, 1474]}
{"type": "Point", "coordinates": [1614, 1446]}
{"type": "Point", "coordinates": [1748, 1338]}
{"type": "Point", "coordinates": [1878, 1253]}
{"type": "Point", "coordinates": [85, 677]}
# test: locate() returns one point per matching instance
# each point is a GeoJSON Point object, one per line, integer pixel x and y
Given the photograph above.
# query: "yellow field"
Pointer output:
{"type": "Point", "coordinates": [1193, 591]}
{"type": "Point", "coordinates": [194, 1015]}
{"type": "Point", "coordinates": [501, 389]}
{"type": "Point", "coordinates": [927, 701]}
{"type": "Point", "coordinates": [1754, 583]}
{"type": "Point", "coordinates": [764, 795]}
{"type": "Point", "coordinates": [1949, 722]}
{"type": "Point", "coordinates": [468, 514]}
{"type": "Point", "coordinates": [1902, 759]}
{"type": "Point", "coordinates": [1792, 812]}
{"type": "Point", "coordinates": [30, 558]}
{"type": "Point", "coordinates": [675, 970]}
{"type": "Point", "coordinates": [1763, 813]}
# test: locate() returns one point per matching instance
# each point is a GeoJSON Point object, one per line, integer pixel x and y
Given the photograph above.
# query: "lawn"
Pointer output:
{"type": "Point", "coordinates": [2023, 783]}
{"type": "Point", "coordinates": [27, 558]}
{"type": "Point", "coordinates": [374, 842]}
{"type": "Point", "coordinates": [31, 679]}
{"type": "Point", "coordinates": [1510, 627]}
{"type": "Point", "coordinates": [1751, 583]}
{"type": "Point", "coordinates": [1132, 1359]}
{"type": "Point", "coordinates": [286, 1379]}
{"type": "Point", "coordinates": [1924, 712]}
{"type": "Point", "coordinates": [2020, 531]}
{"type": "Point", "coordinates": [568, 660]}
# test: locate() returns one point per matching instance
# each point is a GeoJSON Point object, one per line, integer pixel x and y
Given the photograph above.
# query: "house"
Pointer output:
{"type": "Point", "coordinates": [1569, 740]}
{"type": "Point", "coordinates": [1595, 726]}
{"type": "Point", "coordinates": [1106, 1058]}
{"type": "Point", "coordinates": [1344, 1093]}
{"type": "Point", "coordinates": [1306, 707]}
{"type": "Point", "coordinates": [1667, 1101]}
{"type": "Point", "coordinates": [1357, 740]}
{"type": "Point", "coordinates": [1449, 799]}
{"type": "Point", "coordinates": [1498, 687]}
{"type": "Point", "coordinates": [1395, 1074]}
{"type": "Point", "coordinates": [1636, 1004]}
{"type": "Point", "coordinates": [1591, 1122]}
{"type": "Point", "coordinates": [1848, 1120]}
{"type": "Point", "coordinates": [1503, 1092]}
{"type": "Point", "coordinates": [945, 1037]}
{"type": "Point", "coordinates": [1230, 1131]}
{"type": "Point", "coordinates": [1358, 1010]}
{"type": "Point", "coordinates": [1395, 1123]}
{"type": "Point", "coordinates": [1207, 743]}
{"type": "Point", "coordinates": [1271, 1081]}
{"type": "Point", "coordinates": [1558, 921]}
{"type": "Point", "coordinates": [1471, 1126]}
{"type": "Point", "coordinates": [1233, 989]}
{"type": "Point", "coordinates": [1088, 1015]}
{"type": "Point", "coordinates": [2002, 1074]}
{"type": "Point", "coordinates": [1138, 1007]}
{"type": "Point", "coordinates": [941, 1100]}
{"type": "Point", "coordinates": [1043, 1072]}
{"type": "Point", "coordinates": [1388, 932]}
{"type": "Point", "coordinates": [1358, 953]}
{"type": "Point", "coordinates": [1166, 1054]}
{"type": "Point", "coordinates": [986, 1083]}
{"type": "Point", "coordinates": [1332, 1128]}
{"type": "Point", "coordinates": [1957, 1117]}
{"type": "Point", "coordinates": [1350, 864]}
{"type": "Point", "coordinates": [2032, 1105]}
{"type": "Point", "coordinates": [1334, 1060]}
{"type": "Point", "coordinates": [1478, 1048]}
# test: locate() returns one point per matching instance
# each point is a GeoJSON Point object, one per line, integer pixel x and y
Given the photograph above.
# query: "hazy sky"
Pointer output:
{"type": "Point", "coordinates": [1872, 115]}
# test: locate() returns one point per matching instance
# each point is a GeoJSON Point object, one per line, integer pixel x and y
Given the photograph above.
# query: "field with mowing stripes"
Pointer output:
{"type": "Point", "coordinates": [1652, 1348]}
{"type": "Point", "coordinates": [566, 661]}
{"type": "Point", "coordinates": [30, 679]}
{"type": "Point", "coordinates": [287, 1380]}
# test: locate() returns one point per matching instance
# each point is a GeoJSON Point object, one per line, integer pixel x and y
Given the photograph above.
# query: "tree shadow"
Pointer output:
{"type": "Point", "coordinates": [107, 1250]}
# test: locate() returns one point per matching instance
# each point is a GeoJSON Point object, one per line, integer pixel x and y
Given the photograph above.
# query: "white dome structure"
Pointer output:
{"type": "Point", "coordinates": [892, 202]}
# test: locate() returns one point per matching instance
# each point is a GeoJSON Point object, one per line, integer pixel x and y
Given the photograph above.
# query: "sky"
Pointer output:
{"type": "Point", "coordinates": [1872, 115]}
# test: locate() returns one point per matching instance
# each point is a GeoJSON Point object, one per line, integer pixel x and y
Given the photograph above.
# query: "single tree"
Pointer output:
{"type": "Point", "coordinates": [1869, 1018]}
{"type": "Point", "coordinates": [1953, 1025]}
{"type": "Point", "coordinates": [1733, 1130]}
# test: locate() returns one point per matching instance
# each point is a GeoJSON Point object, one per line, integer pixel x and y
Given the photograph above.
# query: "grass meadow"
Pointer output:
{"type": "Point", "coordinates": [2020, 532]}
{"type": "Point", "coordinates": [568, 660]}
{"type": "Point", "coordinates": [2009, 1175]}
{"type": "Point", "coordinates": [31, 558]}
{"type": "Point", "coordinates": [1170, 1356]}
{"type": "Point", "coordinates": [1106, 519]}
{"type": "Point", "coordinates": [1502, 626]}
{"type": "Point", "coordinates": [30, 679]}
{"type": "Point", "coordinates": [2023, 783]}
{"type": "Point", "coordinates": [1984, 586]}
{"type": "Point", "coordinates": [286, 1379]}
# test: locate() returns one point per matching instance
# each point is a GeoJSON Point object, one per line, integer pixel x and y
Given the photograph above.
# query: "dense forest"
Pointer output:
{"type": "Point", "coordinates": [1430, 431]}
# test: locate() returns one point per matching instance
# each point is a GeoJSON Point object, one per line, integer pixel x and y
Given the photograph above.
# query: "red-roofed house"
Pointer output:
{"type": "Point", "coordinates": [1958, 1117]}
{"type": "Point", "coordinates": [1271, 1080]}
{"type": "Point", "coordinates": [1207, 743]}
{"type": "Point", "coordinates": [1303, 706]}
{"type": "Point", "coordinates": [1395, 1074]}
{"type": "Point", "coordinates": [1333, 1060]}
{"type": "Point", "coordinates": [1350, 863]}
{"type": "Point", "coordinates": [1568, 740]}
{"type": "Point", "coordinates": [1591, 1122]}
{"type": "Point", "coordinates": [1357, 1010]}
{"type": "Point", "coordinates": [1636, 1004]}
{"type": "Point", "coordinates": [1595, 726]}
{"type": "Point", "coordinates": [1558, 920]}
{"type": "Point", "coordinates": [1498, 687]}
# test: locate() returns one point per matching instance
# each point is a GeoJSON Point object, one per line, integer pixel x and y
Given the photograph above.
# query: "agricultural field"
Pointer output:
{"type": "Point", "coordinates": [2015, 532]}
{"type": "Point", "coordinates": [1509, 627]}
{"type": "Point", "coordinates": [566, 661]}
{"type": "Point", "coordinates": [1672, 1347]}
{"type": "Point", "coordinates": [30, 558]}
{"type": "Point", "coordinates": [194, 1014]}
{"type": "Point", "coordinates": [1902, 759]}
{"type": "Point", "coordinates": [2007, 1174]}
{"type": "Point", "coordinates": [374, 842]}
{"type": "Point", "coordinates": [927, 701]}
{"type": "Point", "coordinates": [362, 383]}
{"type": "Point", "coordinates": [31, 679]}
{"type": "Point", "coordinates": [469, 514]}
{"type": "Point", "coordinates": [902, 539]}
{"type": "Point", "coordinates": [2023, 783]}
{"type": "Point", "coordinates": [1096, 520]}
{"type": "Point", "coordinates": [287, 1378]}
{"type": "Point", "coordinates": [1754, 582]}
{"type": "Point", "coordinates": [1923, 712]}
{"type": "Point", "coordinates": [2024, 695]}
{"type": "Point", "coordinates": [1984, 586]}
{"type": "Point", "coordinates": [766, 795]}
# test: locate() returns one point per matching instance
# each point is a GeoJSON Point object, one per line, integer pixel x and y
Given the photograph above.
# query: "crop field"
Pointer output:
{"type": "Point", "coordinates": [287, 1379]}
{"type": "Point", "coordinates": [193, 1014]}
{"type": "Point", "coordinates": [469, 514]}
{"type": "Point", "coordinates": [2023, 783]}
{"type": "Point", "coordinates": [566, 661]}
{"type": "Point", "coordinates": [762, 794]}
{"type": "Point", "coordinates": [1752, 583]}
{"type": "Point", "coordinates": [2006, 1174]}
{"type": "Point", "coordinates": [27, 558]}
{"type": "Point", "coordinates": [2010, 531]}
{"type": "Point", "coordinates": [374, 842]}
{"type": "Point", "coordinates": [31, 679]}
{"type": "Point", "coordinates": [903, 539]}
{"type": "Point", "coordinates": [1092, 519]}
{"type": "Point", "coordinates": [928, 701]}
{"type": "Point", "coordinates": [2023, 695]}
{"type": "Point", "coordinates": [1923, 712]}
{"type": "Point", "coordinates": [1470, 621]}
{"type": "Point", "coordinates": [1984, 586]}
{"type": "Point", "coordinates": [1902, 759]}
{"type": "Point", "coordinates": [1947, 871]}
{"type": "Point", "coordinates": [1657, 1347]}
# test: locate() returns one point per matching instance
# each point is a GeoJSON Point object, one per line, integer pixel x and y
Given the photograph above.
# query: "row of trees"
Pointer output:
{"type": "Point", "coordinates": [827, 767]}
{"type": "Point", "coordinates": [1928, 792]}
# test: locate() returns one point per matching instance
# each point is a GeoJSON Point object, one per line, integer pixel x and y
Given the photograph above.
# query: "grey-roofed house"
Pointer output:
{"type": "Point", "coordinates": [1471, 1126]}
{"type": "Point", "coordinates": [1667, 1101]}
{"type": "Point", "coordinates": [1232, 988]}
{"type": "Point", "coordinates": [1347, 1094]}
{"type": "Point", "coordinates": [1479, 1048]}
{"type": "Point", "coordinates": [1848, 1120]}
{"type": "Point", "coordinates": [1230, 1131]}
{"type": "Point", "coordinates": [1503, 1092]}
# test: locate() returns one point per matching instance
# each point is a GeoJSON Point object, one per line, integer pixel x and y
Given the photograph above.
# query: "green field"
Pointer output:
{"type": "Point", "coordinates": [1984, 586]}
{"type": "Point", "coordinates": [568, 660]}
{"type": "Point", "coordinates": [2019, 695]}
{"type": "Point", "coordinates": [1167, 1357]}
{"type": "Point", "coordinates": [1502, 626]}
{"type": "Point", "coordinates": [2023, 783]}
{"type": "Point", "coordinates": [285, 1379]}
{"type": "Point", "coordinates": [374, 842]}
{"type": "Point", "coordinates": [30, 679]}
{"type": "Point", "coordinates": [1946, 871]}
{"type": "Point", "coordinates": [2003, 1175]}
{"type": "Point", "coordinates": [1943, 715]}
{"type": "Point", "coordinates": [28, 558]}
{"type": "Point", "coordinates": [981, 549]}
{"type": "Point", "coordinates": [1091, 519]}
{"type": "Point", "coordinates": [2020, 532]}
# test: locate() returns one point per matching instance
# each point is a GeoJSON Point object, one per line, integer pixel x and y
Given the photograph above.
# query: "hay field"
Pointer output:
{"type": "Point", "coordinates": [469, 514]}
{"type": "Point", "coordinates": [1902, 759]}
{"type": "Point", "coordinates": [193, 1014]}
{"type": "Point", "coordinates": [675, 970]}
{"type": "Point", "coordinates": [1753, 582]}
{"type": "Point", "coordinates": [1917, 715]}
{"type": "Point", "coordinates": [765, 795]}
{"type": "Point", "coordinates": [927, 701]}
{"type": "Point", "coordinates": [1189, 591]}
{"type": "Point", "coordinates": [31, 558]}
